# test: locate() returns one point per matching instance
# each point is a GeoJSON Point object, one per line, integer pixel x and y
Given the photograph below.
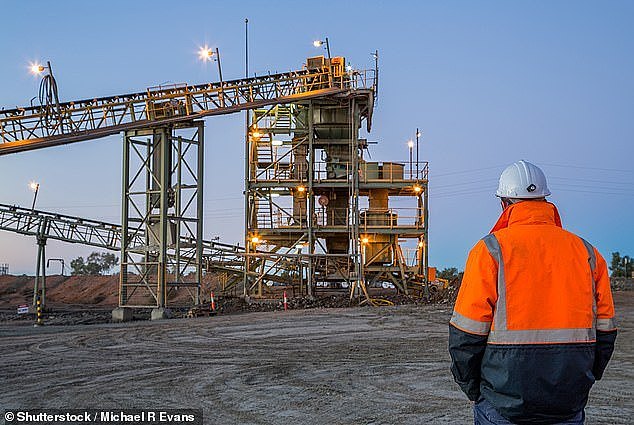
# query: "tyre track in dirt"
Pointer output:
{"type": "Point", "coordinates": [336, 366]}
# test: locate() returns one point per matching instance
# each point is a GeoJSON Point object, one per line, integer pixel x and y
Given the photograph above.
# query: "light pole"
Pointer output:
{"type": "Point", "coordinates": [219, 66]}
{"type": "Point", "coordinates": [37, 69]}
{"type": "Point", "coordinates": [410, 144]}
{"type": "Point", "coordinates": [207, 54]}
{"type": "Point", "coordinates": [626, 260]}
{"type": "Point", "coordinates": [319, 43]}
{"type": "Point", "coordinates": [246, 47]}
{"type": "Point", "coordinates": [417, 137]}
{"type": "Point", "coordinates": [35, 187]}
{"type": "Point", "coordinates": [375, 55]}
{"type": "Point", "coordinates": [48, 86]}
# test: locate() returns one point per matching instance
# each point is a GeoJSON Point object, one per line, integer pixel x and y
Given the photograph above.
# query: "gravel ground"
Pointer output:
{"type": "Point", "coordinates": [365, 365]}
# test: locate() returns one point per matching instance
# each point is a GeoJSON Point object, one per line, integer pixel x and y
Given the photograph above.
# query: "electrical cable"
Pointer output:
{"type": "Point", "coordinates": [49, 97]}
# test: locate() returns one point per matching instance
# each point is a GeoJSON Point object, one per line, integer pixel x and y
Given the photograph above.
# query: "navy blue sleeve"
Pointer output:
{"type": "Point", "coordinates": [603, 352]}
{"type": "Point", "coordinates": [466, 351]}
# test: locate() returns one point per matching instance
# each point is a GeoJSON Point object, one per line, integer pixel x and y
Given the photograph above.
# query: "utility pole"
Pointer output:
{"type": "Point", "coordinates": [36, 188]}
{"type": "Point", "coordinates": [417, 136]}
{"type": "Point", "coordinates": [219, 67]}
{"type": "Point", "coordinates": [246, 47]}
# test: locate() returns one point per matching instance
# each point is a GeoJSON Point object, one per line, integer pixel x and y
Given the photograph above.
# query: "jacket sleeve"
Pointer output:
{"type": "Point", "coordinates": [466, 352]}
{"type": "Point", "coordinates": [471, 320]}
{"type": "Point", "coordinates": [606, 325]}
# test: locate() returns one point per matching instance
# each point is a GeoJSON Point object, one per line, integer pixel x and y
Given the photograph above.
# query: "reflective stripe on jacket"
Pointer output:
{"type": "Point", "coordinates": [533, 302]}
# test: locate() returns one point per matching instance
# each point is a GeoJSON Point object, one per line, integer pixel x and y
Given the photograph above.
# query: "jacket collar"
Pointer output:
{"type": "Point", "coordinates": [528, 212]}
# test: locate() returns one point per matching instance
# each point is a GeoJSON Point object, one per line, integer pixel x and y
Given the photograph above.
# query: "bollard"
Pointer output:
{"type": "Point", "coordinates": [285, 302]}
{"type": "Point", "coordinates": [213, 303]}
{"type": "Point", "coordinates": [39, 321]}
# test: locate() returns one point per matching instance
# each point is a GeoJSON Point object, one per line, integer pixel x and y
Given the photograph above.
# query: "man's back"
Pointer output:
{"type": "Point", "coordinates": [525, 323]}
{"type": "Point", "coordinates": [549, 279]}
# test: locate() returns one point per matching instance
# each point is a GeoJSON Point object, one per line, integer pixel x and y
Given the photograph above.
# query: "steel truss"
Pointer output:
{"type": "Point", "coordinates": [307, 151]}
{"type": "Point", "coordinates": [163, 202]}
{"type": "Point", "coordinates": [36, 127]}
{"type": "Point", "coordinates": [161, 235]}
{"type": "Point", "coordinates": [43, 225]}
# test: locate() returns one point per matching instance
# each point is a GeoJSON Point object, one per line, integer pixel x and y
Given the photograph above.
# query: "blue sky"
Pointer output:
{"type": "Point", "coordinates": [488, 82]}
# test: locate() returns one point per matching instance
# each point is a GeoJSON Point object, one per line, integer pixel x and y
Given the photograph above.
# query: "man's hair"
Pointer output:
{"type": "Point", "coordinates": [516, 200]}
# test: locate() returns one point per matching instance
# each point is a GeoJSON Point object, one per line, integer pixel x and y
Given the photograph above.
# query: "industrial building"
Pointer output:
{"type": "Point", "coordinates": [319, 213]}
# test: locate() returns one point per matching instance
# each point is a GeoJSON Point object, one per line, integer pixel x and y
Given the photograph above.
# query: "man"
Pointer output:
{"type": "Point", "coordinates": [533, 326]}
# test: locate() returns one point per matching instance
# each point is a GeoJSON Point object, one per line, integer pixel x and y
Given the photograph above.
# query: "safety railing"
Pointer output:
{"type": "Point", "coordinates": [277, 217]}
{"type": "Point", "coordinates": [372, 172]}
{"type": "Point", "coordinates": [285, 168]}
{"type": "Point", "coordinates": [277, 119]}
{"type": "Point", "coordinates": [412, 256]}
{"type": "Point", "coordinates": [371, 219]}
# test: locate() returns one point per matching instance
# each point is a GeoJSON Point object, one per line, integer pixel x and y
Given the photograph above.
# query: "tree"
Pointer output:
{"type": "Point", "coordinates": [449, 273]}
{"type": "Point", "coordinates": [77, 266]}
{"type": "Point", "coordinates": [618, 264]}
{"type": "Point", "coordinates": [96, 264]}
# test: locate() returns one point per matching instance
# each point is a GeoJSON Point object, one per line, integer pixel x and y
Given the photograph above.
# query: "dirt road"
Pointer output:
{"type": "Point", "coordinates": [331, 366]}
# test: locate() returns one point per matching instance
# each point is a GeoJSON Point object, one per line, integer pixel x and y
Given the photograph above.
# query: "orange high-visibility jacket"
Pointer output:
{"type": "Point", "coordinates": [533, 325]}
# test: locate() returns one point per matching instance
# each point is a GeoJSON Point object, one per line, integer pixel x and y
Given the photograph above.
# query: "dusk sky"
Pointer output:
{"type": "Point", "coordinates": [487, 82]}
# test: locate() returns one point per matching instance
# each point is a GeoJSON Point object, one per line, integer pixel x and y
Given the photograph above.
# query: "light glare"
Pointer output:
{"type": "Point", "coordinates": [317, 43]}
{"type": "Point", "coordinates": [205, 53]}
{"type": "Point", "coordinates": [36, 68]}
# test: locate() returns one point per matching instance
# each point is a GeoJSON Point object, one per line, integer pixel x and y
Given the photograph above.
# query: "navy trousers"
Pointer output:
{"type": "Point", "coordinates": [485, 414]}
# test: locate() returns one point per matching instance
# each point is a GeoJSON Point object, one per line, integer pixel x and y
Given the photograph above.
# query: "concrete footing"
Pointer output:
{"type": "Point", "coordinates": [121, 314]}
{"type": "Point", "coordinates": [161, 313]}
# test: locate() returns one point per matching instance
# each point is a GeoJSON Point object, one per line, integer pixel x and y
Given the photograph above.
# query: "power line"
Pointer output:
{"type": "Point", "coordinates": [588, 168]}
{"type": "Point", "coordinates": [591, 180]}
{"type": "Point", "coordinates": [497, 167]}
{"type": "Point", "coordinates": [458, 193]}
{"type": "Point", "coordinates": [489, 180]}
{"type": "Point", "coordinates": [593, 187]}
{"type": "Point", "coordinates": [598, 192]}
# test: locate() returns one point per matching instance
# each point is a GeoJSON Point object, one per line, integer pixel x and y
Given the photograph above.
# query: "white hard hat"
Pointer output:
{"type": "Point", "coordinates": [522, 180]}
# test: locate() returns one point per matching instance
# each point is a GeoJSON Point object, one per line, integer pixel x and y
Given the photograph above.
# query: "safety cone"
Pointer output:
{"type": "Point", "coordinates": [213, 303]}
{"type": "Point", "coordinates": [285, 302]}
